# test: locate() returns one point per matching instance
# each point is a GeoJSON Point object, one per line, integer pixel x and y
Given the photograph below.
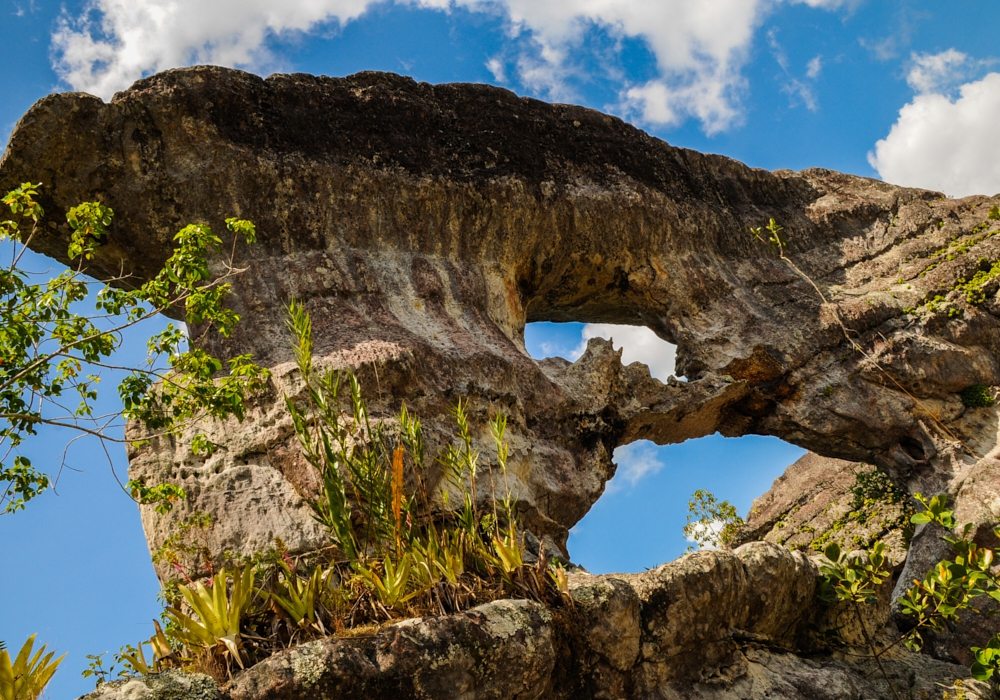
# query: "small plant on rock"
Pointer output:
{"type": "Point", "coordinates": [711, 523]}
{"type": "Point", "coordinates": [952, 588]}
{"type": "Point", "coordinates": [219, 612]}
{"type": "Point", "coordinates": [853, 579]}
{"type": "Point", "coordinates": [395, 551]}
{"type": "Point", "coordinates": [401, 549]}
{"type": "Point", "coordinates": [299, 597]}
{"type": "Point", "coordinates": [977, 396]}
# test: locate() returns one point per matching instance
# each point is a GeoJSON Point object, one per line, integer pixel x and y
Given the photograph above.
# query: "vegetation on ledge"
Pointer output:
{"type": "Point", "coordinates": [394, 552]}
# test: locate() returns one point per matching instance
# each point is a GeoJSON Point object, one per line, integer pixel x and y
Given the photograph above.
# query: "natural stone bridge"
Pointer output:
{"type": "Point", "coordinates": [424, 226]}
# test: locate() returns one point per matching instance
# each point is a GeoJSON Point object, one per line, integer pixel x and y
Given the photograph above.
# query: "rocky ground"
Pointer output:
{"type": "Point", "coordinates": [712, 625]}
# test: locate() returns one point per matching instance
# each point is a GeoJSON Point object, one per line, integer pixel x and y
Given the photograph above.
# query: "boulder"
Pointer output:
{"type": "Point", "coordinates": [711, 625]}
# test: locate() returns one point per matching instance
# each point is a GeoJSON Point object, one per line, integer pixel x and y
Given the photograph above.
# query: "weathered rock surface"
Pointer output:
{"type": "Point", "coordinates": [424, 225]}
{"type": "Point", "coordinates": [711, 625]}
{"type": "Point", "coordinates": [814, 503]}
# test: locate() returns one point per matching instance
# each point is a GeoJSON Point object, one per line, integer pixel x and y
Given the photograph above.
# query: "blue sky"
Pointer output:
{"type": "Point", "coordinates": [904, 90]}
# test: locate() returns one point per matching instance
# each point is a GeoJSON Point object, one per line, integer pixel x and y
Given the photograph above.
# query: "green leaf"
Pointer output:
{"type": "Point", "coordinates": [832, 552]}
{"type": "Point", "coordinates": [981, 672]}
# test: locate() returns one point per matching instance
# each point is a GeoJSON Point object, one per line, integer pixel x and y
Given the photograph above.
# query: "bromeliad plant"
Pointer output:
{"type": "Point", "coordinates": [26, 677]}
{"type": "Point", "coordinates": [220, 613]}
{"type": "Point", "coordinates": [300, 597]}
{"type": "Point", "coordinates": [395, 551]}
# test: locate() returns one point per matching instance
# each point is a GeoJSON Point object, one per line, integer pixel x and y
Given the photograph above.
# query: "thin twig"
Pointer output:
{"type": "Point", "coordinates": [871, 646]}
{"type": "Point", "coordinates": [780, 245]}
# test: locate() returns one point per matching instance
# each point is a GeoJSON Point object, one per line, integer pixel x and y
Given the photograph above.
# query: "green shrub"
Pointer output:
{"type": "Point", "coordinates": [872, 485]}
{"type": "Point", "coordinates": [977, 396]}
{"type": "Point", "coordinates": [710, 522]}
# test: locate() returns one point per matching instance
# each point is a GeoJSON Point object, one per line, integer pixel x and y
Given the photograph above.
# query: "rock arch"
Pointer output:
{"type": "Point", "coordinates": [424, 225]}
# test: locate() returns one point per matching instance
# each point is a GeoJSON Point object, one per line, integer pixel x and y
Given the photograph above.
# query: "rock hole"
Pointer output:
{"type": "Point", "coordinates": [638, 521]}
{"type": "Point", "coordinates": [913, 448]}
{"type": "Point", "coordinates": [569, 340]}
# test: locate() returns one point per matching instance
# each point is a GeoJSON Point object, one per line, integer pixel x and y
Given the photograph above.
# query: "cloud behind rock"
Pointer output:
{"type": "Point", "coordinates": [941, 142]}
{"type": "Point", "coordinates": [699, 48]}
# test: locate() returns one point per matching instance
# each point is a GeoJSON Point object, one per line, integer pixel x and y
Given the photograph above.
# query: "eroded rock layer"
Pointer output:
{"type": "Point", "coordinates": [424, 225]}
{"type": "Point", "coordinates": [741, 625]}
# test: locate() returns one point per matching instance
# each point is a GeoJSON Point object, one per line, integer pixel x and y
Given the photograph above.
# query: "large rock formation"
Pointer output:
{"type": "Point", "coordinates": [423, 226]}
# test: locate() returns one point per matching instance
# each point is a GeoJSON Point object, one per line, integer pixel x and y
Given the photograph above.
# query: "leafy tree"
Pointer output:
{"type": "Point", "coordinates": [711, 523]}
{"type": "Point", "coordinates": [51, 355]}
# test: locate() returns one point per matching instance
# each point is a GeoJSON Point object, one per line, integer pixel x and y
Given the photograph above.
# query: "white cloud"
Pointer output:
{"type": "Point", "coordinates": [830, 4]}
{"type": "Point", "coordinates": [700, 47]}
{"type": "Point", "coordinates": [937, 73]}
{"type": "Point", "coordinates": [814, 67]}
{"type": "Point", "coordinates": [942, 142]}
{"type": "Point", "coordinates": [639, 344]}
{"type": "Point", "coordinates": [712, 529]}
{"type": "Point", "coordinates": [555, 349]}
{"type": "Point", "coordinates": [115, 42]}
{"type": "Point", "coordinates": [496, 67]}
{"type": "Point", "coordinates": [635, 461]}
{"type": "Point", "coordinates": [797, 89]}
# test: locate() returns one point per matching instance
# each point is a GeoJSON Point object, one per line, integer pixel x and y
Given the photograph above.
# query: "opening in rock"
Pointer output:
{"type": "Point", "coordinates": [638, 522]}
{"type": "Point", "coordinates": [913, 448]}
{"type": "Point", "coordinates": [569, 340]}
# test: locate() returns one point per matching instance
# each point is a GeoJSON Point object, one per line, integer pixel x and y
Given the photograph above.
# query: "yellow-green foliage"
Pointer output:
{"type": "Point", "coordinates": [219, 612]}
{"type": "Point", "coordinates": [973, 290]}
{"type": "Point", "coordinates": [873, 495]}
{"type": "Point", "coordinates": [299, 596]}
{"type": "Point", "coordinates": [134, 657]}
{"type": "Point", "coordinates": [394, 550]}
{"type": "Point", "coordinates": [26, 677]}
{"type": "Point", "coordinates": [381, 521]}
{"type": "Point", "coordinates": [390, 582]}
